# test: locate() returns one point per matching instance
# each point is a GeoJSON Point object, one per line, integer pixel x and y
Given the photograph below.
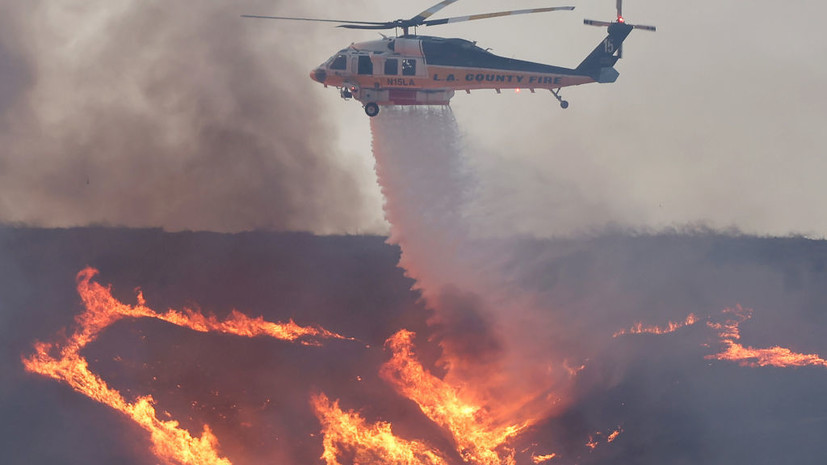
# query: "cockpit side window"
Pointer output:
{"type": "Point", "coordinates": [391, 67]}
{"type": "Point", "coordinates": [340, 62]}
{"type": "Point", "coordinates": [365, 65]}
{"type": "Point", "coordinates": [408, 67]}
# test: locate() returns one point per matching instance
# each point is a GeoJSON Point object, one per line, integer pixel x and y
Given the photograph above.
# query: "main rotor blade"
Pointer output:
{"type": "Point", "coordinates": [372, 26]}
{"type": "Point", "coordinates": [457, 19]}
{"type": "Point", "coordinates": [430, 11]}
{"type": "Point", "coordinates": [341, 21]}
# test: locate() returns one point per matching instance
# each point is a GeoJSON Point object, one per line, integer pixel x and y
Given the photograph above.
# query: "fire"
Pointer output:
{"type": "Point", "coordinates": [479, 438]}
{"type": "Point", "coordinates": [671, 327]}
{"type": "Point", "coordinates": [729, 332]}
{"type": "Point", "coordinates": [63, 362]}
{"type": "Point", "coordinates": [594, 439]}
{"type": "Point", "coordinates": [346, 432]}
{"type": "Point", "coordinates": [592, 444]}
{"type": "Point", "coordinates": [542, 458]}
{"type": "Point", "coordinates": [614, 434]}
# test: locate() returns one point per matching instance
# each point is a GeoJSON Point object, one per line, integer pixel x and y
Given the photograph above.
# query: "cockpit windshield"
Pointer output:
{"type": "Point", "coordinates": [338, 62]}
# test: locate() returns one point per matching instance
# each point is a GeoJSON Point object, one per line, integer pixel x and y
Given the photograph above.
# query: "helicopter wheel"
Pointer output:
{"type": "Point", "coordinates": [564, 104]}
{"type": "Point", "coordinates": [372, 109]}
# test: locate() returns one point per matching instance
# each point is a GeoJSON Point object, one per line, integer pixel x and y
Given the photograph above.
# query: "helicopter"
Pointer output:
{"type": "Point", "coordinates": [411, 69]}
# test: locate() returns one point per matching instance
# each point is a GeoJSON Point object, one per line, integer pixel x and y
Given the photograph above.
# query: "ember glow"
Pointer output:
{"type": "Point", "coordinates": [776, 356]}
{"type": "Point", "coordinates": [172, 444]}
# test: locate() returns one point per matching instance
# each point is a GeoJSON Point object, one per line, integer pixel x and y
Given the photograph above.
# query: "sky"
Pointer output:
{"type": "Point", "coordinates": [187, 117]}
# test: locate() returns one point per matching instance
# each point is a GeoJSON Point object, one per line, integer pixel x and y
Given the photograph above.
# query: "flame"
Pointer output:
{"type": "Point", "coordinates": [592, 444]}
{"type": "Point", "coordinates": [542, 458]}
{"type": "Point", "coordinates": [729, 332]}
{"type": "Point", "coordinates": [594, 439]}
{"type": "Point", "coordinates": [671, 327]}
{"type": "Point", "coordinates": [776, 356]}
{"type": "Point", "coordinates": [346, 432]}
{"type": "Point", "coordinates": [614, 434]}
{"type": "Point", "coordinates": [63, 362]}
{"type": "Point", "coordinates": [479, 438]}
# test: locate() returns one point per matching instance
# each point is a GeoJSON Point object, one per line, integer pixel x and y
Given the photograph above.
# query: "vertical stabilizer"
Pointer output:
{"type": "Point", "coordinates": [599, 64]}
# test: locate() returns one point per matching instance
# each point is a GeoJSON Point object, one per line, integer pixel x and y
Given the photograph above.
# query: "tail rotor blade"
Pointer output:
{"type": "Point", "coordinates": [644, 27]}
{"type": "Point", "coordinates": [591, 22]}
{"type": "Point", "coordinates": [619, 9]}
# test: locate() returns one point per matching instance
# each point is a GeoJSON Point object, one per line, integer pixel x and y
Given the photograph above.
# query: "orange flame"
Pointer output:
{"type": "Point", "coordinates": [479, 438]}
{"type": "Point", "coordinates": [348, 433]}
{"type": "Point", "coordinates": [614, 434]}
{"type": "Point", "coordinates": [729, 332]}
{"type": "Point", "coordinates": [594, 439]}
{"type": "Point", "coordinates": [542, 458]}
{"type": "Point", "coordinates": [172, 444]}
{"type": "Point", "coordinates": [592, 444]}
{"type": "Point", "coordinates": [671, 327]}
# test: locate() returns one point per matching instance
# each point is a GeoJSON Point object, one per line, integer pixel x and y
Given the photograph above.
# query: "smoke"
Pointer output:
{"type": "Point", "coordinates": [173, 114]}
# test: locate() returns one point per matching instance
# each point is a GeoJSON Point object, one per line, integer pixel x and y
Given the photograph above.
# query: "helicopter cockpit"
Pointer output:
{"type": "Point", "coordinates": [387, 57]}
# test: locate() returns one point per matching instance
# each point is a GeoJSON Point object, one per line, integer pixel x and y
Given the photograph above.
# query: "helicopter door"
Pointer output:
{"type": "Point", "coordinates": [365, 65]}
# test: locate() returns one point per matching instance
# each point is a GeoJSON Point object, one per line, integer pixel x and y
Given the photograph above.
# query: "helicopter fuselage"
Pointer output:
{"type": "Point", "coordinates": [423, 70]}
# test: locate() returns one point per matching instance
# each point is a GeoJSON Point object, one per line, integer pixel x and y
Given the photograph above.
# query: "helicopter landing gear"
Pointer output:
{"type": "Point", "coordinates": [563, 103]}
{"type": "Point", "coordinates": [371, 109]}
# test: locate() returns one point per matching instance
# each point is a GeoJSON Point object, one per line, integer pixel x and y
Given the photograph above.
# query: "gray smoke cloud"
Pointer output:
{"type": "Point", "coordinates": [174, 114]}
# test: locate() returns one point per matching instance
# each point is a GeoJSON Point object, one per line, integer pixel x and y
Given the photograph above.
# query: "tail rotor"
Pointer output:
{"type": "Point", "coordinates": [619, 20]}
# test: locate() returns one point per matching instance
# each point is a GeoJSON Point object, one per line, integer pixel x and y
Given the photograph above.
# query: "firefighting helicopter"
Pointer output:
{"type": "Point", "coordinates": [412, 69]}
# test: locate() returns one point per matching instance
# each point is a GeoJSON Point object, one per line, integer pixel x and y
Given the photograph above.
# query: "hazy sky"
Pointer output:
{"type": "Point", "coordinates": [185, 116]}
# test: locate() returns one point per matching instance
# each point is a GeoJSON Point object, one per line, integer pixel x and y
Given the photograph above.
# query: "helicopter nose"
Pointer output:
{"type": "Point", "coordinates": [318, 75]}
